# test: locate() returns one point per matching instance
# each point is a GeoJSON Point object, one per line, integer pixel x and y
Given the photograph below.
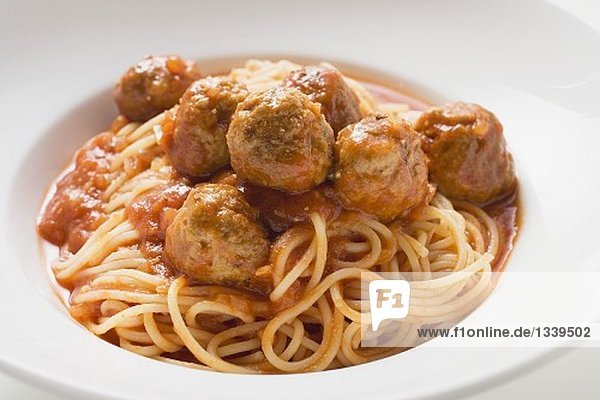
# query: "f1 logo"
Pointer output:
{"type": "Point", "coordinates": [389, 299]}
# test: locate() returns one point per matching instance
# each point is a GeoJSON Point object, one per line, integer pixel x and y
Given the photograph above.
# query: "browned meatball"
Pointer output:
{"type": "Point", "coordinates": [326, 86]}
{"type": "Point", "coordinates": [215, 238]}
{"type": "Point", "coordinates": [380, 167]}
{"type": "Point", "coordinates": [279, 139]}
{"type": "Point", "coordinates": [196, 144]}
{"type": "Point", "coordinates": [467, 152]}
{"type": "Point", "coordinates": [153, 85]}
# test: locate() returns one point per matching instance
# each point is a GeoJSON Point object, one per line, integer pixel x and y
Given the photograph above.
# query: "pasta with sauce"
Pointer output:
{"type": "Point", "coordinates": [227, 222]}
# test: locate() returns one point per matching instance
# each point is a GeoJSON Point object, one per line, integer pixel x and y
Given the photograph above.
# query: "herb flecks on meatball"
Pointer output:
{"type": "Point", "coordinates": [215, 238]}
{"type": "Point", "coordinates": [280, 139]}
{"type": "Point", "coordinates": [380, 167]}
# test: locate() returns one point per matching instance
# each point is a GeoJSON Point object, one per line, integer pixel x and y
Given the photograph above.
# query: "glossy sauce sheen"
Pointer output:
{"type": "Point", "coordinates": [280, 211]}
{"type": "Point", "coordinates": [75, 210]}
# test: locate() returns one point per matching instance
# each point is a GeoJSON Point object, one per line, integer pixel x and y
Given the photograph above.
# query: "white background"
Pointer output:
{"type": "Point", "coordinates": [574, 375]}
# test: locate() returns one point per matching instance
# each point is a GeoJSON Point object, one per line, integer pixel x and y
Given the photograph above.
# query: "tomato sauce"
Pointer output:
{"type": "Point", "coordinates": [76, 209]}
{"type": "Point", "coordinates": [151, 213]}
{"type": "Point", "coordinates": [506, 213]}
{"type": "Point", "coordinates": [281, 210]}
{"type": "Point", "coordinates": [383, 94]}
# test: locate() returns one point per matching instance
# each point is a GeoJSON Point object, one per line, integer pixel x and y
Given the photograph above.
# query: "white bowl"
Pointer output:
{"type": "Point", "coordinates": [534, 66]}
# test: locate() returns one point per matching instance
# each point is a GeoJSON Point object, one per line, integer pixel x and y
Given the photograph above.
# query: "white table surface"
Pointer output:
{"type": "Point", "coordinates": [574, 375]}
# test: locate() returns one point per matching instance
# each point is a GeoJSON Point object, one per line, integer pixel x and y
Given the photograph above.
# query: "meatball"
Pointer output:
{"type": "Point", "coordinates": [380, 167]}
{"type": "Point", "coordinates": [215, 238]}
{"type": "Point", "coordinates": [153, 85]}
{"type": "Point", "coordinates": [196, 143]}
{"type": "Point", "coordinates": [280, 211]}
{"type": "Point", "coordinates": [326, 86]}
{"type": "Point", "coordinates": [467, 152]}
{"type": "Point", "coordinates": [280, 139]}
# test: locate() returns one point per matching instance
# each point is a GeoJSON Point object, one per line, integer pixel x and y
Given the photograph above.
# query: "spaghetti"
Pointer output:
{"type": "Point", "coordinates": [314, 316]}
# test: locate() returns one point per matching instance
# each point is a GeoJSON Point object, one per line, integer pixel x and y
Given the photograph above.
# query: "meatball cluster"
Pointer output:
{"type": "Point", "coordinates": [275, 156]}
{"type": "Point", "coordinates": [380, 167]}
{"type": "Point", "coordinates": [467, 152]}
{"type": "Point", "coordinates": [153, 85]}
{"type": "Point", "coordinates": [215, 238]}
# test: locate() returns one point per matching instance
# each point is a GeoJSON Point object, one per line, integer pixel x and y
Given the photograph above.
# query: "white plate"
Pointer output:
{"type": "Point", "coordinates": [534, 66]}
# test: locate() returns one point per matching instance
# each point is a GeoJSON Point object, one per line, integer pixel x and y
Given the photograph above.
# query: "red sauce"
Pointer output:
{"type": "Point", "coordinates": [75, 210]}
{"type": "Point", "coordinates": [506, 213]}
{"type": "Point", "coordinates": [384, 94]}
{"type": "Point", "coordinates": [281, 210]}
{"type": "Point", "coordinates": [151, 213]}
